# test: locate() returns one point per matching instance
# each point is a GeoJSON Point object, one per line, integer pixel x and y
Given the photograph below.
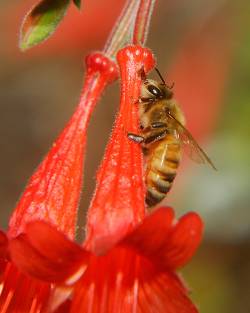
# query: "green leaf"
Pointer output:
{"type": "Point", "coordinates": [41, 22]}
{"type": "Point", "coordinates": [77, 3]}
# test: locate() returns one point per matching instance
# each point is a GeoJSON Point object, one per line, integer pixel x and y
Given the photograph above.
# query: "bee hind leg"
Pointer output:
{"type": "Point", "coordinates": [136, 138]}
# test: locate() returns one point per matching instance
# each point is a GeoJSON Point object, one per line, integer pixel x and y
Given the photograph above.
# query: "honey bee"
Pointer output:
{"type": "Point", "coordinates": [162, 136]}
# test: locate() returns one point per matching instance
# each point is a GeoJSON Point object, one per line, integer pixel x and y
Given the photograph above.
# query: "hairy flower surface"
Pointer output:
{"type": "Point", "coordinates": [53, 192]}
{"type": "Point", "coordinates": [128, 261]}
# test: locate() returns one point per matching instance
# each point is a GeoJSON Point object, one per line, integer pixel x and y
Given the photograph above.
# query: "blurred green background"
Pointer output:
{"type": "Point", "coordinates": [201, 45]}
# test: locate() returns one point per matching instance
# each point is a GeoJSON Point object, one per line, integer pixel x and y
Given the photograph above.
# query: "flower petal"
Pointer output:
{"type": "Point", "coordinates": [150, 236]}
{"type": "Point", "coordinates": [167, 244]}
{"type": "Point", "coordinates": [3, 245]}
{"type": "Point", "coordinates": [183, 241]}
{"type": "Point", "coordinates": [3, 254]}
{"type": "Point", "coordinates": [124, 282]}
{"type": "Point", "coordinates": [52, 243]}
{"type": "Point", "coordinates": [163, 293]}
{"type": "Point", "coordinates": [22, 294]}
{"type": "Point", "coordinates": [64, 307]}
{"type": "Point", "coordinates": [46, 253]}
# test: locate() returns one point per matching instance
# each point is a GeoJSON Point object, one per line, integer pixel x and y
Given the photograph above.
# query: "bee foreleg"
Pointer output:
{"type": "Point", "coordinates": [136, 138]}
{"type": "Point", "coordinates": [144, 100]}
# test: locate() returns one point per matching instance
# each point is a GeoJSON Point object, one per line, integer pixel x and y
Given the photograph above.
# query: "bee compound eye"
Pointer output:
{"type": "Point", "coordinates": [154, 90]}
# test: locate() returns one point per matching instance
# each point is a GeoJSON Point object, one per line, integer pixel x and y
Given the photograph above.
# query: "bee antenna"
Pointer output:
{"type": "Point", "coordinates": [172, 85]}
{"type": "Point", "coordinates": [162, 79]}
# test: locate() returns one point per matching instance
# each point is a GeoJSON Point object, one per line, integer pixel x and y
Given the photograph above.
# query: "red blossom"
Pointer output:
{"type": "Point", "coordinates": [128, 261]}
{"type": "Point", "coordinates": [53, 191]}
{"type": "Point", "coordinates": [135, 275]}
{"type": "Point", "coordinates": [118, 203]}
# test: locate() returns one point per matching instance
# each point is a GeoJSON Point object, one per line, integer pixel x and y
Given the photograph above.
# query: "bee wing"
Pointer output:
{"type": "Point", "coordinates": [194, 151]}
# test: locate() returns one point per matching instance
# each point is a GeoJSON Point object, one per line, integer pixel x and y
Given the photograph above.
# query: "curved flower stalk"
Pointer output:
{"type": "Point", "coordinates": [142, 21]}
{"type": "Point", "coordinates": [128, 262]}
{"type": "Point", "coordinates": [132, 26]}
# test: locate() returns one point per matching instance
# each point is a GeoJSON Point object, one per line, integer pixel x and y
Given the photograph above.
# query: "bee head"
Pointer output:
{"type": "Point", "coordinates": [155, 90]}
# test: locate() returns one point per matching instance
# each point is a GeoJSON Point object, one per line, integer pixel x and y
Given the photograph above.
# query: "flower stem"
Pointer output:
{"type": "Point", "coordinates": [142, 21]}
{"type": "Point", "coordinates": [131, 27]}
{"type": "Point", "coordinates": [121, 33]}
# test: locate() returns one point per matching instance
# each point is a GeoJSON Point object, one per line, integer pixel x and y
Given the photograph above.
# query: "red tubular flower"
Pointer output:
{"type": "Point", "coordinates": [118, 203]}
{"type": "Point", "coordinates": [53, 191]}
{"type": "Point", "coordinates": [128, 262]}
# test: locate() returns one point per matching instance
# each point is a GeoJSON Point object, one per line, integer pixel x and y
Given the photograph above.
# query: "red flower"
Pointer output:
{"type": "Point", "coordinates": [53, 192]}
{"type": "Point", "coordinates": [135, 275]}
{"type": "Point", "coordinates": [128, 262]}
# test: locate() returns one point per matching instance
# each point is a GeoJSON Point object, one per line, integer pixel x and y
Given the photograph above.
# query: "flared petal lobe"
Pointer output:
{"type": "Point", "coordinates": [169, 243]}
{"type": "Point", "coordinates": [136, 275]}
{"type": "Point", "coordinates": [52, 257]}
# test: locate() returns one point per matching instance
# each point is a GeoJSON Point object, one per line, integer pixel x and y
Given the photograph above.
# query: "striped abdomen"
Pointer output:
{"type": "Point", "coordinates": [163, 161]}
